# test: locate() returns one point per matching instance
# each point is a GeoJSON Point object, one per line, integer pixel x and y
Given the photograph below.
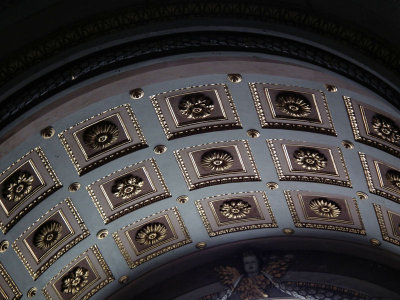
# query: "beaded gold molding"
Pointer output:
{"type": "Point", "coordinates": [383, 226]}
{"type": "Point", "coordinates": [368, 139]}
{"type": "Point", "coordinates": [108, 276]}
{"type": "Point", "coordinates": [113, 155]}
{"type": "Point", "coordinates": [305, 177]}
{"type": "Point", "coordinates": [55, 181]}
{"type": "Point", "coordinates": [132, 263]}
{"type": "Point", "coordinates": [50, 258]}
{"type": "Point", "coordinates": [335, 227]}
{"type": "Point", "coordinates": [202, 127]}
{"type": "Point", "coordinates": [370, 181]}
{"type": "Point", "coordinates": [11, 285]}
{"type": "Point", "coordinates": [241, 223]}
{"type": "Point", "coordinates": [234, 177]}
{"type": "Point", "coordinates": [293, 124]}
{"type": "Point", "coordinates": [136, 205]}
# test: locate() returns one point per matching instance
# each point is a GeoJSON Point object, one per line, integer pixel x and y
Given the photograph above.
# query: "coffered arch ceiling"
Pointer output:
{"type": "Point", "coordinates": [180, 168]}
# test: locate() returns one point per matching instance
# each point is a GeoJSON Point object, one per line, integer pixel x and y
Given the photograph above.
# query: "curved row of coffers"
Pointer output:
{"type": "Point", "coordinates": [183, 112]}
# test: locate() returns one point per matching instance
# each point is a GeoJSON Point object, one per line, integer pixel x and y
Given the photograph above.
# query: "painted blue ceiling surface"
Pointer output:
{"type": "Point", "coordinates": [111, 89]}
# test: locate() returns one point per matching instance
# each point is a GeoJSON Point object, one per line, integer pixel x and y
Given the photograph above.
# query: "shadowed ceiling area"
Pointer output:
{"type": "Point", "coordinates": [199, 150]}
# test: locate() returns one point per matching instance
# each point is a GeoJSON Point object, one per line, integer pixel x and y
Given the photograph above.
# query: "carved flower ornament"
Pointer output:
{"type": "Point", "coordinates": [19, 186]}
{"type": "Point", "coordinates": [325, 208]}
{"type": "Point", "coordinates": [101, 135]}
{"type": "Point", "coordinates": [196, 106]}
{"type": "Point", "coordinates": [217, 160]}
{"type": "Point", "coordinates": [310, 159]}
{"type": "Point", "coordinates": [47, 235]}
{"type": "Point", "coordinates": [127, 187]}
{"type": "Point", "coordinates": [293, 104]}
{"type": "Point", "coordinates": [394, 178]}
{"type": "Point", "coordinates": [151, 234]}
{"type": "Point", "coordinates": [235, 209]}
{"type": "Point", "coordinates": [75, 280]}
{"type": "Point", "coordinates": [386, 128]}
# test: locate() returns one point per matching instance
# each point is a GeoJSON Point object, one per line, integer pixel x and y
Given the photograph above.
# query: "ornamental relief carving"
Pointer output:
{"type": "Point", "coordinates": [127, 187]}
{"type": "Point", "coordinates": [23, 185]}
{"type": "Point", "coordinates": [228, 213]}
{"type": "Point", "coordinates": [216, 163]}
{"type": "Point", "coordinates": [101, 135]}
{"type": "Point", "coordinates": [151, 234]}
{"type": "Point", "coordinates": [385, 128]}
{"type": "Point", "coordinates": [373, 126]}
{"type": "Point", "coordinates": [217, 160]}
{"type": "Point", "coordinates": [324, 211]}
{"type": "Point", "coordinates": [81, 278]}
{"type": "Point", "coordinates": [310, 159]}
{"type": "Point", "coordinates": [393, 177]}
{"type": "Point", "coordinates": [196, 109]}
{"type": "Point", "coordinates": [50, 237]}
{"type": "Point", "coordinates": [302, 161]}
{"type": "Point", "coordinates": [235, 209]}
{"type": "Point", "coordinates": [382, 178]}
{"type": "Point", "coordinates": [292, 107]}
{"type": "Point", "coordinates": [75, 280]}
{"type": "Point", "coordinates": [47, 235]}
{"type": "Point", "coordinates": [18, 187]}
{"type": "Point", "coordinates": [325, 208]}
{"type": "Point", "coordinates": [196, 106]}
{"type": "Point", "coordinates": [293, 104]}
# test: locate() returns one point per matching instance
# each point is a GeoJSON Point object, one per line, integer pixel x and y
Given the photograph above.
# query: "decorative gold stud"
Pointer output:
{"type": "Point", "coordinates": [136, 93]}
{"type": "Point", "coordinates": [331, 88]}
{"type": "Point", "coordinates": [4, 246]}
{"type": "Point", "coordinates": [73, 187]}
{"type": "Point", "coordinates": [102, 234]}
{"type": "Point", "coordinates": [32, 292]}
{"type": "Point", "coordinates": [362, 195]}
{"type": "Point", "coordinates": [182, 199]}
{"type": "Point", "coordinates": [123, 279]}
{"type": "Point", "coordinates": [272, 185]}
{"type": "Point", "coordinates": [375, 242]}
{"type": "Point", "coordinates": [160, 149]}
{"type": "Point", "coordinates": [288, 231]}
{"type": "Point", "coordinates": [201, 245]}
{"type": "Point", "coordinates": [47, 132]}
{"type": "Point", "coordinates": [235, 78]}
{"type": "Point", "coordinates": [348, 144]}
{"type": "Point", "coordinates": [253, 133]}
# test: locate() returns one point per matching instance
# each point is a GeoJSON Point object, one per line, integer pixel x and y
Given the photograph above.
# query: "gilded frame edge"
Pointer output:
{"type": "Point", "coordinates": [382, 225]}
{"type": "Point", "coordinates": [141, 145]}
{"type": "Point", "coordinates": [134, 263]}
{"type": "Point", "coordinates": [299, 224]}
{"type": "Point", "coordinates": [85, 233]}
{"type": "Point", "coordinates": [165, 194]}
{"type": "Point", "coordinates": [213, 233]}
{"type": "Point", "coordinates": [11, 284]}
{"type": "Point", "coordinates": [291, 126]}
{"type": "Point", "coordinates": [207, 128]}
